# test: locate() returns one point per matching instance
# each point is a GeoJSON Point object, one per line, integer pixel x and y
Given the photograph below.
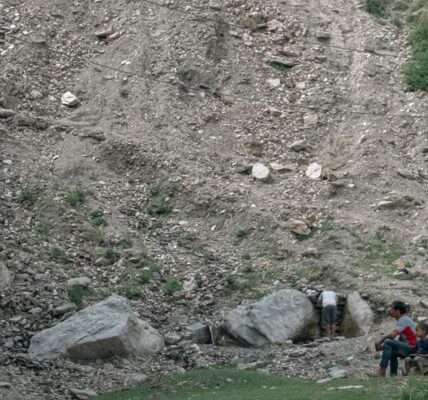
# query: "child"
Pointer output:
{"type": "Point", "coordinates": [420, 358]}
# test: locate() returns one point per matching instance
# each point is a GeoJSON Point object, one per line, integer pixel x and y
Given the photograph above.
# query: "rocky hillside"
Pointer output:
{"type": "Point", "coordinates": [195, 155]}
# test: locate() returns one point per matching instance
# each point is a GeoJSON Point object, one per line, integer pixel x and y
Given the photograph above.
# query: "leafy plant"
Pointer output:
{"type": "Point", "coordinates": [171, 286]}
{"type": "Point", "coordinates": [97, 218]}
{"type": "Point", "coordinates": [76, 197]}
{"type": "Point", "coordinates": [77, 293]}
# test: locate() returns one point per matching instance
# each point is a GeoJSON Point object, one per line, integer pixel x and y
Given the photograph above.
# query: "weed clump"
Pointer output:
{"type": "Point", "coordinates": [76, 197]}
{"type": "Point", "coordinates": [77, 293]}
{"type": "Point", "coordinates": [376, 7]}
{"type": "Point", "coordinates": [97, 218]}
{"type": "Point", "coordinates": [171, 286]}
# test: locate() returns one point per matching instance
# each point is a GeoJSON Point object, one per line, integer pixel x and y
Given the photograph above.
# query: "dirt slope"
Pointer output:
{"type": "Point", "coordinates": [174, 110]}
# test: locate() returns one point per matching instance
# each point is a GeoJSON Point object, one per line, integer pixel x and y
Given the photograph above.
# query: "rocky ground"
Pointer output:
{"type": "Point", "coordinates": [146, 185]}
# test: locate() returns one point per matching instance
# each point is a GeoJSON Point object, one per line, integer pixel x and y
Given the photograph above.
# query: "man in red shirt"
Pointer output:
{"type": "Point", "coordinates": [405, 330]}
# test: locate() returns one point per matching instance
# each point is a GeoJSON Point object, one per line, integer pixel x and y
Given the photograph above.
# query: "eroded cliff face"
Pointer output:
{"type": "Point", "coordinates": [144, 183]}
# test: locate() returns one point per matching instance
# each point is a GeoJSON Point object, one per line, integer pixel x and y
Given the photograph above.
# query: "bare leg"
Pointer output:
{"type": "Point", "coordinates": [327, 331]}
{"type": "Point", "coordinates": [420, 366]}
{"type": "Point", "coordinates": [333, 331]}
{"type": "Point", "coordinates": [408, 365]}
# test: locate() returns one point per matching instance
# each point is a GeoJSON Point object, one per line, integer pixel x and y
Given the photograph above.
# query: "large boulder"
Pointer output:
{"type": "Point", "coordinates": [105, 329]}
{"type": "Point", "coordinates": [284, 315]}
{"type": "Point", "coordinates": [357, 317]}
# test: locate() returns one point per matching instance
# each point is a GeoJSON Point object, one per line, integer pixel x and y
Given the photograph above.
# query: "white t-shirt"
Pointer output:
{"type": "Point", "coordinates": [329, 298]}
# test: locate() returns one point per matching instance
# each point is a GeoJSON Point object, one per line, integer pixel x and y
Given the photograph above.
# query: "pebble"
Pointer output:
{"type": "Point", "coordinates": [69, 99]}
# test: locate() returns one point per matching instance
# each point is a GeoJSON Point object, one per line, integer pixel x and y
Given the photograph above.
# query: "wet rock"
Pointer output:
{"type": "Point", "coordinates": [277, 318]}
{"type": "Point", "coordinates": [357, 317]}
{"type": "Point", "coordinates": [105, 329]}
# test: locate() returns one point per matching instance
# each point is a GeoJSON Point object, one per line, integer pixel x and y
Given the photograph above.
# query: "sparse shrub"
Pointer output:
{"type": "Point", "coordinates": [171, 286]}
{"type": "Point", "coordinates": [159, 207]}
{"type": "Point", "coordinates": [416, 70]}
{"type": "Point", "coordinates": [97, 218]}
{"type": "Point", "coordinates": [76, 197]}
{"type": "Point", "coordinates": [57, 254]}
{"type": "Point", "coordinates": [145, 276]}
{"type": "Point", "coordinates": [77, 293]}
{"type": "Point", "coordinates": [243, 233]}
{"type": "Point", "coordinates": [416, 389]}
{"type": "Point", "coordinates": [401, 6]}
{"type": "Point", "coordinates": [29, 197]}
{"type": "Point", "coordinates": [42, 229]}
{"type": "Point", "coordinates": [131, 292]}
{"type": "Point", "coordinates": [93, 234]}
{"type": "Point", "coordinates": [376, 7]}
{"type": "Point", "coordinates": [126, 243]}
{"type": "Point", "coordinates": [111, 255]}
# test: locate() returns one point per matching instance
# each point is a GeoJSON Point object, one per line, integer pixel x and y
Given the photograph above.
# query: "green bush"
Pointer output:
{"type": "Point", "coordinates": [77, 293]}
{"type": "Point", "coordinates": [97, 218]}
{"type": "Point", "coordinates": [416, 70]}
{"type": "Point", "coordinates": [76, 197]}
{"type": "Point", "coordinates": [171, 286]}
{"type": "Point", "coordinates": [376, 7]}
{"type": "Point", "coordinates": [416, 389]}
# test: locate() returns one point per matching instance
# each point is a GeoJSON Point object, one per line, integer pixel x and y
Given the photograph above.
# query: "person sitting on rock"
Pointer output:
{"type": "Point", "coordinates": [420, 358]}
{"type": "Point", "coordinates": [405, 330]}
{"type": "Point", "coordinates": [328, 300]}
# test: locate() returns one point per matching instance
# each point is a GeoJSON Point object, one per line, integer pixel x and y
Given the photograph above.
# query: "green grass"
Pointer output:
{"type": "Point", "coordinates": [242, 234]}
{"type": "Point", "coordinates": [232, 384]}
{"type": "Point", "coordinates": [171, 286]}
{"type": "Point", "coordinates": [376, 7]}
{"type": "Point", "coordinates": [97, 218]}
{"type": "Point", "coordinates": [76, 197]}
{"type": "Point", "coordinates": [30, 197]}
{"type": "Point", "coordinates": [131, 292]}
{"type": "Point", "coordinates": [77, 293]}
{"type": "Point", "coordinates": [58, 254]}
{"type": "Point", "coordinates": [416, 389]}
{"type": "Point", "coordinates": [416, 70]}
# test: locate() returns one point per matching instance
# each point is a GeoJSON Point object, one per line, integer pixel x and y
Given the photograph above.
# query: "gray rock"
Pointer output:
{"type": "Point", "coordinates": [394, 202]}
{"type": "Point", "coordinates": [260, 171]}
{"type": "Point", "coordinates": [82, 394]}
{"type": "Point", "coordinates": [5, 385]}
{"type": "Point", "coordinates": [5, 113]}
{"type": "Point", "coordinates": [5, 277]}
{"type": "Point", "coordinates": [298, 227]}
{"type": "Point", "coordinates": [200, 333]}
{"type": "Point", "coordinates": [358, 316]}
{"type": "Point", "coordinates": [65, 308]}
{"type": "Point", "coordinates": [105, 329]}
{"type": "Point", "coordinates": [135, 379]}
{"type": "Point", "coordinates": [80, 281]}
{"type": "Point", "coordinates": [338, 372]}
{"type": "Point", "coordinates": [298, 145]}
{"type": "Point", "coordinates": [277, 318]}
{"type": "Point", "coordinates": [69, 99]}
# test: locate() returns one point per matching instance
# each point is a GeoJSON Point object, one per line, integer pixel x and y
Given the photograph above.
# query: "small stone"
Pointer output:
{"type": "Point", "coordinates": [298, 352]}
{"type": "Point", "coordinates": [135, 379]}
{"type": "Point", "coordinates": [323, 35]}
{"type": "Point", "coordinates": [65, 308]}
{"type": "Point", "coordinates": [298, 227]}
{"type": "Point", "coordinates": [190, 285]}
{"type": "Point", "coordinates": [310, 252]}
{"type": "Point", "coordinates": [423, 303]}
{"type": "Point", "coordinates": [260, 172]}
{"type": "Point", "coordinates": [5, 385]}
{"type": "Point", "coordinates": [215, 5]}
{"type": "Point", "coordinates": [314, 171]}
{"type": "Point", "coordinates": [102, 34]}
{"type": "Point", "coordinates": [281, 61]}
{"type": "Point", "coordinates": [7, 162]}
{"type": "Point", "coordinates": [301, 85]}
{"type": "Point", "coordinates": [273, 25]}
{"type": "Point", "coordinates": [274, 83]}
{"type": "Point", "coordinates": [338, 372]}
{"type": "Point", "coordinates": [5, 277]}
{"type": "Point", "coordinates": [310, 120]}
{"type": "Point", "coordinates": [80, 281]}
{"type": "Point", "coordinates": [5, 113]}
{"type": "Point", "coordinates": [277, 167]}
{"type": "Point", "coordinates": [298, 145]}
{"type": "Point", "coordinates": [81, 394]}
{"type": "Point", "coordinates": [69, 99]}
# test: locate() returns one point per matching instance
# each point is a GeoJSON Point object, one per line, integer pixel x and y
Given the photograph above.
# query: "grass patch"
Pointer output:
{"type": "Point", "coordinates": [76, 197]}
{"type": "Point", "coordinates": [77, 293]}
{"type": "Point", "coordinates": [416, 70]}
{"type": "Point", "coordinates": [131, 292]}
{"type": "Point", "coordinates": [126, 242]}
{"type": "Point", "coordinates": [376, 7]}
{"type": "Point", "coordinates": [242, 234]}
{"type": "Point", "coordinates": [416, 389]}
{"type": "Point", "coordinates": [93, 234]}
{"type": "Point", "coordinates": [97, 218]}
{"type": "Point", "coordinates": [171, 286]}
{"type": "Point", "coordinates": [58, 254]}
{"type": "Point", "coordinates": [43, 229]}
{"type": "Point", "coordinates": [232, 384]}
{"type": "Point", "coordinates": [111, 255]}
{"type": "Point", "coordinates": [29, 197]}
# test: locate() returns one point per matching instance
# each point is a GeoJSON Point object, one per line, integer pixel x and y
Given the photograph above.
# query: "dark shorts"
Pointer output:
{"type": "Point", "coordinates": [329, 315]}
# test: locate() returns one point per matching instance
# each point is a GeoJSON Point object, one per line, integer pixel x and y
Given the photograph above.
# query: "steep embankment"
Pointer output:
{"type": "Point", "coordinates": [146, 184]}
